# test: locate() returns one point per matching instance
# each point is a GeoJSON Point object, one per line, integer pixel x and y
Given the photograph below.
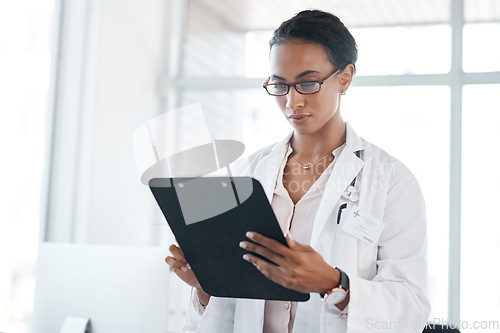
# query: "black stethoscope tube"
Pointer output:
{"type": "Point", "coordinates": [344, 205]}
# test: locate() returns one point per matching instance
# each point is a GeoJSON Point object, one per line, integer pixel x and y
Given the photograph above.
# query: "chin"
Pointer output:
{"type": "Point", "coordinates": [305, 130]}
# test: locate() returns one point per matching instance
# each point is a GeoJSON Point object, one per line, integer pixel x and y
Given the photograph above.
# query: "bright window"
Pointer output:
{"type": "Point", "coordinates": [480, 193]}
{"type": "Point", "coordinates": [403, 50]}
{"type": "Point", "coordinates": [25, 28]}
{"type": "Point", "coordinates": [481, 50]}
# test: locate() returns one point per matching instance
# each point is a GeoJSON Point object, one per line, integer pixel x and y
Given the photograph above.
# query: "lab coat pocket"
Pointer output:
{"type": "Point", "coordinates": [367, 260]}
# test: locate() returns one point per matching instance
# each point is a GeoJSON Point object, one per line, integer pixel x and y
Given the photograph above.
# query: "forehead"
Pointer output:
{"type": "Point", "coordinates": [295, 57]}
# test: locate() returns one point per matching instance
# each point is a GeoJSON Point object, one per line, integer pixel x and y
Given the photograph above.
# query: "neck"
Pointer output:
{"type": "Point", "coordinates": [310, 146]}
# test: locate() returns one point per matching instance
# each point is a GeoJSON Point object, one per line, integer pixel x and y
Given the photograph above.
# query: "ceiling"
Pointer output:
{"type": "Point", "coordinates": [252, 15]}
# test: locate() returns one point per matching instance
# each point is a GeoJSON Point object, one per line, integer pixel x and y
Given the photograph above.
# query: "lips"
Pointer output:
{"type": "Point", "coordinates": [299, 118]}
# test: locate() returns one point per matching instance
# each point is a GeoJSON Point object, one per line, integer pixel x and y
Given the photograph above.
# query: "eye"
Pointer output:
{"type": "Point", "coordinates": [279, 86]}
{"type": "Point", "coordinates": [308, 84]}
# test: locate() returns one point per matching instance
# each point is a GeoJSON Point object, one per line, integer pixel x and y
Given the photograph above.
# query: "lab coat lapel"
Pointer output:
{"type": "Point", "coordinates": [266, 171]}
{"type": "Point", "coordinates": [344, 171]}
{"type": "Point", "coordinates": [344, 245]}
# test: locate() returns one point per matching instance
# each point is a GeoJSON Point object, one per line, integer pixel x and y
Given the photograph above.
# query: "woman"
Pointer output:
{"type": "Point", "coordinates": [315, 176]}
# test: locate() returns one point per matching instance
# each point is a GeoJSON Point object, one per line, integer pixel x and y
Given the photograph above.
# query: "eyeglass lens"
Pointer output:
{"type": "Point", "coordinates": [308, 87]}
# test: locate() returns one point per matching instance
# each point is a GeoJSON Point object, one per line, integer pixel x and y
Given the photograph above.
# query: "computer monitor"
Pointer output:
{"type": "Point", "coordinates": [120, 288]}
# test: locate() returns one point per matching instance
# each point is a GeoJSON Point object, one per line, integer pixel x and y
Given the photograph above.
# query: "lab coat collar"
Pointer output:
{"type": "Point", "coordinates": [267, 169]}
{"type": "Point", "coordinates": [353, 141]}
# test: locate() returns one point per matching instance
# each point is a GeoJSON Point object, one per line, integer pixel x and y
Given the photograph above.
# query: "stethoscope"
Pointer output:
{"type": "Point", "coordinates": [350, 193]}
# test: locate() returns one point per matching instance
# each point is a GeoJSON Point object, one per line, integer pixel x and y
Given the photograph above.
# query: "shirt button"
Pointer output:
{"type": "Point", "coordinates": [287, 306]}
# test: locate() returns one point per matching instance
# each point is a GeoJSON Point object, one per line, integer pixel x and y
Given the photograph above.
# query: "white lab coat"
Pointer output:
{"type": "Point", "coordinates": [387, 281]}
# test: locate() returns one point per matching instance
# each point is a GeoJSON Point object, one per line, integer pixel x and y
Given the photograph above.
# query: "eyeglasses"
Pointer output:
{"type": "Point", "coordinates": [304, 88]}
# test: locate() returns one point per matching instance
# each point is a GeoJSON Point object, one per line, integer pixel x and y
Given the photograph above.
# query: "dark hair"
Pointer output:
{"type": "Point", "coordinates": [325, 29]}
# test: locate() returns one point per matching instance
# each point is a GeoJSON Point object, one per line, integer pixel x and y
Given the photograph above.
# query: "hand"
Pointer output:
{"type": "Point", "coordinates": [298, 267]}
{"type": "Point", "coordinates": [180, 266]}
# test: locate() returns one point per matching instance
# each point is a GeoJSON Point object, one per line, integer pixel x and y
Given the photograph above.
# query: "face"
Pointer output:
{"type": "Point", "coordinates": [296, 61]}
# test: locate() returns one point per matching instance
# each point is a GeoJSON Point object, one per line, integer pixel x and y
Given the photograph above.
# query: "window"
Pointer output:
{"type": "Point", "coordinates": [480, 192]}
{"type": "Point", "coordinates": [25, 28]}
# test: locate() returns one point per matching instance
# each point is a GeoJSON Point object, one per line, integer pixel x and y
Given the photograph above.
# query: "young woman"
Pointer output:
{"type": "Point", "coordinates": [318, 177]}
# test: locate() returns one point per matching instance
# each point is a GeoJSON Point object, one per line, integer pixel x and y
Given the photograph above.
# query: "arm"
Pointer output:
{"type": "Point", "coordinates": [199, 298]}
{"type": "Point", "coordinates": [396, 295]}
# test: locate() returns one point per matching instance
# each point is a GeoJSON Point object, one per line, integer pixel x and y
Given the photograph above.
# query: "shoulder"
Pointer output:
{"type": "Point", "coordinates": [380, 164]}
{"type": "Point", "coordinates": [261, 153]}
{"type": "Point", "coordinates": [247, 164]}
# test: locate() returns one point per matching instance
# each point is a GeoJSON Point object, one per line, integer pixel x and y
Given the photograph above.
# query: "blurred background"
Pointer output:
{"type": "Point", "coordinates": [77, 78]}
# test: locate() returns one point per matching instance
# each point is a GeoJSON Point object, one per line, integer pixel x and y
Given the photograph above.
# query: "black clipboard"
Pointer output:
{"type": "Point", "coordinates": [209, 216]}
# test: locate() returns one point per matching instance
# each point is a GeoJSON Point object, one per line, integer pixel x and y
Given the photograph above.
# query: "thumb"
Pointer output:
{"type": "Point", "coordinates": [289, 240]}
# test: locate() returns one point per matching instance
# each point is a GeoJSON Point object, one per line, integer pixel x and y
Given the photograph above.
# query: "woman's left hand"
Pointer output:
{"type": "Point", "coordinates": [298, 267]}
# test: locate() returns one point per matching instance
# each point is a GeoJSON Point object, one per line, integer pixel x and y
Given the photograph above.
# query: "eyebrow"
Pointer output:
{"type": "Point", "coordinates": [296, 77]}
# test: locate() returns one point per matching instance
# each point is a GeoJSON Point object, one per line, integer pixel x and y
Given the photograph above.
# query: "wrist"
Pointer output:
{"type": "Point", "coordinates": [202, 296]}
{"type": "Point", "coordinates": [338, 295]}
{"type": "Point", "coordinates": [331, 282]}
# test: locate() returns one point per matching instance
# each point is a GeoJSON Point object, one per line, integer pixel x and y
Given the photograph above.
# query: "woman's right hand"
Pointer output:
{"type": "Point", "coordinates": [180, 266]}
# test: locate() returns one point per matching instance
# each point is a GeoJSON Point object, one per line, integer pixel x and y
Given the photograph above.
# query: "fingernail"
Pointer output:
{"type": "Point", "coordinates": [249, 234]}
{"type": "Point", "coordinates": [184, 269]}
{"type": "Point", "coordinates": [243, 245]}
{"type": "Point", "coordinates": [246, 257]}
{"type": "Point", "coordinates": [188, 266]}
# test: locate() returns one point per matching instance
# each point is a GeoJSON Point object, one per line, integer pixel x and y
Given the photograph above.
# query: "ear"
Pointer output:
{"type": "Point", "coordinates": [346, 77]}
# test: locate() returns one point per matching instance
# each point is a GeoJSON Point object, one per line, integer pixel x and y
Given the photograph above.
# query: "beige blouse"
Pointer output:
{"type": "Point", "coordinates": [279, 316]}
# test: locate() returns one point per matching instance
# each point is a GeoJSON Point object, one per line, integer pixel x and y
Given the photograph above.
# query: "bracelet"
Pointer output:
{"type": "Point", "coordinates": [204, 306]}
{"type": "Point", "coordinates": [199, 300]}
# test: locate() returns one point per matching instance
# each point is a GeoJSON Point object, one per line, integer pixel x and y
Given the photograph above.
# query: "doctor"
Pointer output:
{"type": "Point", "coordinates": [367, 276]}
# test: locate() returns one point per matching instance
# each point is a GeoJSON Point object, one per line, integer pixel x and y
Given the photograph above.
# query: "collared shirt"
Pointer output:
{"type": "Point", "coordinates": [298, 219]}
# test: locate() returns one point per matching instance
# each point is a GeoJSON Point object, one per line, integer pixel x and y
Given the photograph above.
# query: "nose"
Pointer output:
{"type": "Point", "coordinates": [294, 100]}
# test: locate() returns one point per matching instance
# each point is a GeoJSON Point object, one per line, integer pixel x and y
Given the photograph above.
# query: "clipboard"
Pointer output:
{"type": "Point", "coordinates": [209, 216]}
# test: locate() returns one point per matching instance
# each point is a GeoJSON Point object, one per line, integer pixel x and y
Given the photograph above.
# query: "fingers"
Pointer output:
{"type": "Point", "coordinates": [265, 267]}
{"type": "Point", "coordinates": [263, 251]}
{"type": "Point", "coordinates": [177, 253]}
{"type": "Point", "coordinates": [273, 272]}
{"type": "Point", "coordinates": [269, 243]}
{"type": "Point", "coordinates": [290, 241]}
{"type": "Point", "coordinates": [178, 261]}
{"type": "Point", "coordinates": [175, 265]}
